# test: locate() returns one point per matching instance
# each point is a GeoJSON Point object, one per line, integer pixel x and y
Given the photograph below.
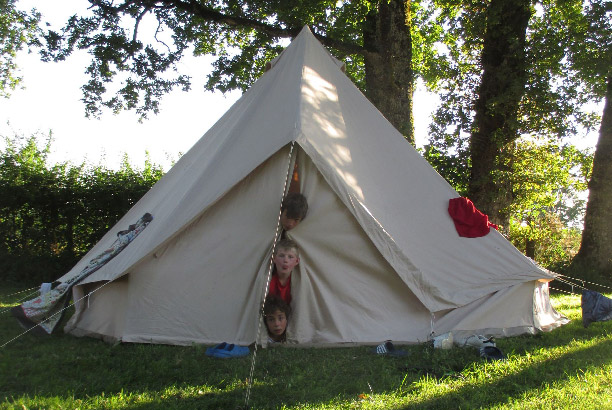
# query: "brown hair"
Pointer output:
{"type": "Point", "coordinates": [274, 303]}
{"type": "Point", "coordinates": [271, 305]}
{"type": "Point", "coordinates": [296, 206]}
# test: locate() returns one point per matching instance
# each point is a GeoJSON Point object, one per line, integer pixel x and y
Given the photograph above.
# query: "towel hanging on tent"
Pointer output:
{"type": "Point", "coordinates": [45, 311]}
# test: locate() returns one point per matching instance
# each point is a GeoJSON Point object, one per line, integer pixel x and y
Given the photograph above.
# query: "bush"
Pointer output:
{"type": "Point", "coordinates": [546, 240]}
{"type": "Point", "coordinates": [52, 214]}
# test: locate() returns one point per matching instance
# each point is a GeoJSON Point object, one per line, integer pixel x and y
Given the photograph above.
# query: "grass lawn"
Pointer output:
{"type": "Point", "coordinates": [568, 368]}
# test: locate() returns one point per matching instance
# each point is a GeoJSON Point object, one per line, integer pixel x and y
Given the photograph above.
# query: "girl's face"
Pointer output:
{"type": "Point", "coordinates": [276, 322]}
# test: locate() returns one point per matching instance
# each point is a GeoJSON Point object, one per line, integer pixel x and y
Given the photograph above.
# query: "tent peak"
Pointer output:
{"type": "Point", "coordinates": [308, 36]}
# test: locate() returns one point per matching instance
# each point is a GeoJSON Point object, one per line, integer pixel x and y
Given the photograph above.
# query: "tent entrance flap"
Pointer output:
{"type": "Point", "coordinates": [267, 270]}
{"type": "Point", "coordinates": [179, 294]}
{"type": "Point", "coordinates": [344, 290]}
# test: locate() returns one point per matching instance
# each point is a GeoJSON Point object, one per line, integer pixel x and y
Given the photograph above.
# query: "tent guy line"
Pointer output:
{"type": "Point", "coordinates": [561, 277]}
{"type": "Point", "coordinates": [23, 299]}
{"type": "Point", "coordinates": [55, 314]}
{"type": "Point", "coordinates": [288, 174]}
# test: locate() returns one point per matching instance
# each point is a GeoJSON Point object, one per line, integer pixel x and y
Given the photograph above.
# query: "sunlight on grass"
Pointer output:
{"type": "Point", "coordinates": [12, 297]}
{"type": "Point", "coordinates": [591, 388]}
{"type": "Point", "coordinates": [556, 363]}
{"type": "Point", "coordinates": [123, 399]}
{"type": "Point", "coordinates": [568, 305]}
{"type": "Point", "coordinates": [559, 369]}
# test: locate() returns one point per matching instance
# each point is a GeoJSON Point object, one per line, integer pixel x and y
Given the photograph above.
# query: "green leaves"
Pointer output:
{"type": "Point", "coordinates": [549, 183]}
{"type": "Point", "coordinates": [17, 30]}
{"type": "Point", "coordinates": [136, 45]}
{"type": "Point", "coordinates": [51, 214]}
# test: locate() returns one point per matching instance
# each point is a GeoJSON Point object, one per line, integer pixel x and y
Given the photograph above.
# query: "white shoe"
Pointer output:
{"type": "Point", "coordinates": [478, 341]}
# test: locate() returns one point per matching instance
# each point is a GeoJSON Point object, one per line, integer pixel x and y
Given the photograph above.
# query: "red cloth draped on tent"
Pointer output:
{"type": "Point", "coordinates": [469, 221]}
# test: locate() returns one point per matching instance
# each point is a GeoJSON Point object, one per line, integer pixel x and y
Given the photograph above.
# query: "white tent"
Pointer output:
{"type": "Point", "coordinates": [380, 256]}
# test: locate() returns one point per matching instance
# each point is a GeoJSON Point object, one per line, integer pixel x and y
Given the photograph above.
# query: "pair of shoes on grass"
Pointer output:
{"type": "Point", "coordinates": [388, 349]}
{"type": "Point", "coordinates": [225, 351]}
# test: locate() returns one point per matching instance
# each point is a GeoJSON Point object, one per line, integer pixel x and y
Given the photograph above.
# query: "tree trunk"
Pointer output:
{"type": "Point", "coordinates": [596, 247]}
{"type": "Point", "coordinates": [388, 63]}
{"type": "Point", "coordinates": [530, 248]}
{"type": "Point", "coordinates": [496, 110]}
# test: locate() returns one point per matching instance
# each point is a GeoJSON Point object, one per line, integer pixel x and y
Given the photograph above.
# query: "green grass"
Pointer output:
{"type": "Point", "coordinates": [568, 368]}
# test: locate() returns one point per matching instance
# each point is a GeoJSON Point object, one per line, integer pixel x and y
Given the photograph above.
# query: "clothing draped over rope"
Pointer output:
{"type": "Point", "coordinates": [45, 312]}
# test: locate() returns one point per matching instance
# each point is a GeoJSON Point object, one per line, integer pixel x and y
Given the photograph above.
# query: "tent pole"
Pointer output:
{"type": "Point", "coordinates": [433, 319]}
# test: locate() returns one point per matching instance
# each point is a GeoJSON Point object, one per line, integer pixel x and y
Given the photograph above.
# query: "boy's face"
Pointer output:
{"type": "Point", "coordinates": [276, 322]}
{"type": "Point", "coordinates": [285, 260]}
{"type": "Point", "coordinates": [288, 223]}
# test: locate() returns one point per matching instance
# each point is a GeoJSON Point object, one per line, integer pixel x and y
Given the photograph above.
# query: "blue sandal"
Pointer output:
{"type": "Point", "coordinates": [224, 351]}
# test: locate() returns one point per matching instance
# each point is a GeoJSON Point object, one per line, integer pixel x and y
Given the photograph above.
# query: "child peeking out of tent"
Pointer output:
{"type": "Point", "coordinates": [286, 257]}
{"type": "Point", "coordinates": [293, 210]}
{"type": "Point", "coordinates": [276, 314]}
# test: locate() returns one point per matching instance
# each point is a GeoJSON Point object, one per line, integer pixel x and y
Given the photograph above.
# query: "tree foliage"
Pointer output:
{"type": "Point", "coordinates": [51, 214]}
{"type": "Point", "coordinates": [568, 55]}
{"type": "Point", "coordinates": [17, 30]}
{"type": "Point", "coordinates": [555, 92]}
{"type": "Point", "coordinates": [549, 182]}
{"type": "Point", "coordinates": [135, 47]}
{"type": "Point", "coordinates": [547, 240]}
{"type": "Point", "coordinates": [139, 43]}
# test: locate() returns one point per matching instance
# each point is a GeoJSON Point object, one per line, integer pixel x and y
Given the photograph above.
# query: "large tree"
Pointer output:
{"type": "Point", "coordinates": [591, 57]}
{"type": "Point", "coordinates": [512, 77]}
{"type": "Point", "coordinates": [373, 36]}
{"type": "Point", "coordinates": [596, 246]}
{"type": "Point", "coordinates": [496, 126]}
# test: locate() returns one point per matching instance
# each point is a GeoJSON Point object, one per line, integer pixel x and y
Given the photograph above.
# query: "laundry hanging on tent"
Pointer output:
{"type": "Point", "coordinates": [43, 312]}
{"type": "Point", "coordinates": [595, 307]}
{"type": "Point", "coordinates": [469, 221]}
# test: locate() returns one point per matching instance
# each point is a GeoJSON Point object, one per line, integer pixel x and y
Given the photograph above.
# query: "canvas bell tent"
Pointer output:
{"type": "Point", "coordinates": [380, 256]}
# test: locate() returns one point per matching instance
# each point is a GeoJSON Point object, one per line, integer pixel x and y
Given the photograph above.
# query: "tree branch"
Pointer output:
{"type": "Point", "coordinates": [158, 40]}
{"type": "Point", "coordinates": [195, 8]}
{"type": "Point", "coordinates": [138, 19]}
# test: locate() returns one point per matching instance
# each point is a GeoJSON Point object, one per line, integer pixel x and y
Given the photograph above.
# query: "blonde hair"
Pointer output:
{"type": "Point", "coordinates": [287, 244]}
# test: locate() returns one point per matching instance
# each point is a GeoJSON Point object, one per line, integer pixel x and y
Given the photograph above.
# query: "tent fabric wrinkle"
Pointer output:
{"type": "Point", "coordinates": [379, 253]}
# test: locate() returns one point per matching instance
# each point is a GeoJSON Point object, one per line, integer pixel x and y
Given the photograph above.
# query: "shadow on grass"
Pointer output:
{"type": "Point", "coordinates": [82, 372]}
{"type": "Point", "coordinates": [184, 378]}
{"type": "Point", "coordinates": [38, 372]}
{"type": "Point", "coordinates": [532, 377]}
